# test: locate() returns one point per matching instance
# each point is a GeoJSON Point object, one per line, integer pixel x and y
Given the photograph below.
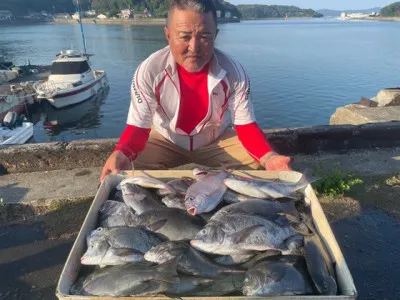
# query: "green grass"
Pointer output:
{"type": "Point", "coordinates": [334, 183]}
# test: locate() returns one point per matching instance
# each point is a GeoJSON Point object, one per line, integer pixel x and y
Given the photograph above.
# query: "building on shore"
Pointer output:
{"type": "Point", "coordinates": [63, 16]}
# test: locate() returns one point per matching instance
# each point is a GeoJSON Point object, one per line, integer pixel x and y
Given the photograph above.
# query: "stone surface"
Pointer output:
{"type": "Point", "coordinates": [43, 187]}
{"type": "Point", "coordinates": [388, 97]}
{"type": "Point", "coordinates": [355, 114]}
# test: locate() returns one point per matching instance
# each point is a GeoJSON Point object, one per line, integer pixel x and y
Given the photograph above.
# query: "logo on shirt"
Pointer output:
{"type": "Point", "coordinates": [135, 91]}
{"type": "Point", "coordinates": [247, 95]}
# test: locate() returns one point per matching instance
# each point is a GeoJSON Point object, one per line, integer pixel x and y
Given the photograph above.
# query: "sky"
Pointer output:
{"type": "Point", "coordinates": [320, 4]}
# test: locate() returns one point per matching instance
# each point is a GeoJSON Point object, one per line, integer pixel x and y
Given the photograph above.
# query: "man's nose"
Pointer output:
{"type": "Point", "coordinates": [194, 45]}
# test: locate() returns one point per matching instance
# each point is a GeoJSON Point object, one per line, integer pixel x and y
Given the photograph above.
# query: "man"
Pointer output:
{"type": "Point", "coordinates": [190, 92]}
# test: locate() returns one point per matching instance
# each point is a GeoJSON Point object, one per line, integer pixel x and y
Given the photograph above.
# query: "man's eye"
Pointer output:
{"type": "Point", "coordinates": [185, 38]}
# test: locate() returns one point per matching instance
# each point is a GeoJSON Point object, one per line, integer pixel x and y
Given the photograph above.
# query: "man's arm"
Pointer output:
{"type": "Point", "coordinates": [140, 118]}
{"type": "Point", "coordinates": [250, 135]}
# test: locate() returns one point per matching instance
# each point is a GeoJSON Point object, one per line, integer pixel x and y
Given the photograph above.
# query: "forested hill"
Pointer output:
{"type": "Point", "coordinates": [256, 11]}
{"type": "Point", "coordinates": [392, 10]}
{"type": "Point", "coordinates": [158, 8]}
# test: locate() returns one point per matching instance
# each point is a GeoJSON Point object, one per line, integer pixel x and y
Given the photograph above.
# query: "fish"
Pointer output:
{"type": "Point", "coordinates": [320, 266]}
{"type": "Point", "coordinates": [231, 260]}
{"type": "Point", "coordinates": [241, 233]}
{"type": "Point", "coordinates": [116, 195]}
{"type": "Point", "coordinates": [148, 182]}
{"type": "Point", "coordinates": [179, 186]}
{"type": "Point", "coordinates": [115, 214]}
{"type": "Point", "coordinates": [233, 197]}
{"type": "Point", "coordinates": [173, 223]}
{"type": "Point", "coordinates": [276, 277]}
{"type": "Point", "coordinates": [205, 194]}
{"type": "Point", "coordinates": [224, 284]}
{"type": "Point", "coordinates": [187, 285]}
{"type": "Point", "coordinates": [174, 201]}
{"type": "Point", "coordinates": [139, 198]}
{"type": "Point", "coordinates": [264, 208]}
{"type": "Point", "coordinates": [118, 245]}
{"type": "Point", "coordinates": [191, 262]}
{"type": "Point", "coordinates": [262, 256]}
{"type": "Point", "coordinates": [266, 189]}
{"type": "Point", "coordinates": [130, 279]}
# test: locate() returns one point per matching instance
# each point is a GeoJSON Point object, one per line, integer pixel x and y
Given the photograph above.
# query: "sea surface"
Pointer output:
{"type": "Point", "coordinates": [300, 70]}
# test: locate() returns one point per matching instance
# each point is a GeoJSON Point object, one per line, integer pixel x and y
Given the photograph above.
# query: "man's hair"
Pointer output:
{"type": "Point", "coordinates": [200, 6]}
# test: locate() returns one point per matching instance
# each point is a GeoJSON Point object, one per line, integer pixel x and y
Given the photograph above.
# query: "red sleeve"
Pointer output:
{"type": "Point", "coordinates": [132, 141]}
{"type": "Point", "coordinates": [253, 140]}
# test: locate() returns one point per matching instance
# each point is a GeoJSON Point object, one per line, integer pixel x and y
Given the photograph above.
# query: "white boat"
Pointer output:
{"type": "Point", "coordinates": [15, 130]}
{"type": "Point", "coordinates": [71, 80]}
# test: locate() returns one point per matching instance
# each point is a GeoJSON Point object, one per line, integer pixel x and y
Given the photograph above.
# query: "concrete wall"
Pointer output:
{"type": "Point", "coordinates": [306, 140]}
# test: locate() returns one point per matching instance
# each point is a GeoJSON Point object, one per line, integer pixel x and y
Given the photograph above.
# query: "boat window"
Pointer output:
{"type": "Point", "coordinates": [71, 67]}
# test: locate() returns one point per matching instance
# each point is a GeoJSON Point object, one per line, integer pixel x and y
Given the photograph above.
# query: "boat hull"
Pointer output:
{"type": "Point", "coordinates": [18, 136]}
{"type": "Point", "coordinates": [18, 108]}
{"type": "Point", "coordinates": [79, 94]}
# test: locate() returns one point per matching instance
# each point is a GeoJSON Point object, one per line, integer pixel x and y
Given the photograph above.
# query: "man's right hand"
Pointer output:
{"type": "Point", "coordinates": [115, 163]}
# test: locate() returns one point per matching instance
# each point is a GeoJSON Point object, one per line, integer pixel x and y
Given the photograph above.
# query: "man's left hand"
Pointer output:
{"type": "Point", "coordinates": [278, 163]}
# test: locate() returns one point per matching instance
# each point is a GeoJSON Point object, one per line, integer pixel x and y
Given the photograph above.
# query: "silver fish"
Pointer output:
{"type": "Point", "coordinates": [281, 278]}
{"type": "Point", "coordinates": [179, 186]}
{"type": "Point", "coordinates": [233, 197]}
{"type": "Point", "coordinates": [173, 223]}
{"type": "Point", "coordinates": [187, 286]}
{"type": "Point", "coordinates": [223, 285]}
{"type": "Point", "coordinates": [266, 189]}
{"type": "Point", "coordinates": [206, 193]}
{"type": "Point", "coordinates": [320, 266]}
{"type": "Point", "coordinates": [264, 208]}
{"type": "Point", "coordinates": [174, 201]}
{"type": "Point", "coordinates": [148, 182]}
{"type": "Point", "coordinates": [138, 198]}
{"type": "Point", "coordinates": [114, 214]}
{"type": "Point", "coordinates": [231, 260]}
{"type": "Point", "coordinates": [191, 261]}
{"type": "Point", "coordinates": [118, 245]}
{"type": "Point", "coordinates": [129, 280]}
{"type": "Point", "coordinates": [241, 233]}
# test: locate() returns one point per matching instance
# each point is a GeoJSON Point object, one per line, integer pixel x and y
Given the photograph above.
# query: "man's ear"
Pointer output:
{"type": "Point", "coordinates": [166, 32]}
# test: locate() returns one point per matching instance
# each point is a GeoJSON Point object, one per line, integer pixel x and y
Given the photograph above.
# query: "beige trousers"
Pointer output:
{"type": "Point", "coordinates": [226, 151]}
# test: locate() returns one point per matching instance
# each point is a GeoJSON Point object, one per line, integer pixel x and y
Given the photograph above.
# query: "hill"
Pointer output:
{"type": "Point", "coordinates": [159, 8]}
{"type": "Point", "coordinates": [392, 10]}
{"type": "Point", "coordinates": [256, 11]}
{"type": "Point", "coordinates": [336, 13]}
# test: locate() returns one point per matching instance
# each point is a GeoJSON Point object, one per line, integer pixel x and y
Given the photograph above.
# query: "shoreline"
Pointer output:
{"type": "Point", "coordinates": [142, 21]}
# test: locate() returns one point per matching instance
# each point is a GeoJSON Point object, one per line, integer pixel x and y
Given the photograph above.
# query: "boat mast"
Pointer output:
{"type": "Point", "coordinates": [80, 22]}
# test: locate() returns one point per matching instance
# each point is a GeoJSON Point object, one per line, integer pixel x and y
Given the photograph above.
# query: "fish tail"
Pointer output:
{"type": "Point", "coordinates": [166, 185]}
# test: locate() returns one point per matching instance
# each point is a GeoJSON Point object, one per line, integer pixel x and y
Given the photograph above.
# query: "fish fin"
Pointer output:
{"type": "Point", "coordinates": [157, 225]}
{"type": "Point", "coordinates": [126, 252]}
{"type": "Point", "coordinates": [305, 179]}
{"type": "Point", "coordinates": [240, 236]}
{"type": "Point", "coordinates": [166, 185]}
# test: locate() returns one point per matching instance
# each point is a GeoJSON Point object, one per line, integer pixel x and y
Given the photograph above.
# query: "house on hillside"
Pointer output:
{"type": "Point", "coordinates": [147, 13]}
{"type": "Point", "coordinates": [101, 17]}
{"type": "Point", "coordinates": [126, 13]}
{"type": "Point", "coordinates": [6, 15]}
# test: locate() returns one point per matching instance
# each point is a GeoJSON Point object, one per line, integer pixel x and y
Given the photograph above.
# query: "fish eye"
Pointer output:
{"type": "Point", "coordinates": [100, 229]}
{"type": "Point", "coordinates": [190, 198]}
{"type": "Point", "coordinates": [203, 231]}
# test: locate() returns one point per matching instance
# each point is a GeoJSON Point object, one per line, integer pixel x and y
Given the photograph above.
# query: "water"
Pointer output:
{"type": "Point", "coordinates": [300, 70]}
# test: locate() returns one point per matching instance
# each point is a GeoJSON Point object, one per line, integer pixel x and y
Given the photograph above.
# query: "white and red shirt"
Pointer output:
{"type": "Point", "coordinates": [191, 109]}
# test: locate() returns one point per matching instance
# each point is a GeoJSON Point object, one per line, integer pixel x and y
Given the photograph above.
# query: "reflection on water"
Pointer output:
{"type": "Point", "coordinates": [300, 70]}
{"type": "Point", "coordinates": [78, 118]}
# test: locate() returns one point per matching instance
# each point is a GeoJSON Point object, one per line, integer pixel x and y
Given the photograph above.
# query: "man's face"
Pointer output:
{"type": "Point", "coordinates": [191, 37]}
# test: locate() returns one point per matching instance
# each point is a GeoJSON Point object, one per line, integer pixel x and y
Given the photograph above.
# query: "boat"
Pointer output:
{"type": "Point", "coordinates": [71, 80]}
{"type": "Point", "coordinates": [15, 130]}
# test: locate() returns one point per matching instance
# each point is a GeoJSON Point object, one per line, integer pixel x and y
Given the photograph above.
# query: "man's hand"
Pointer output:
{"type": "Point", "coordinates": [276, 162]}
{"type": "Point", "coordinates": [116, 162]}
